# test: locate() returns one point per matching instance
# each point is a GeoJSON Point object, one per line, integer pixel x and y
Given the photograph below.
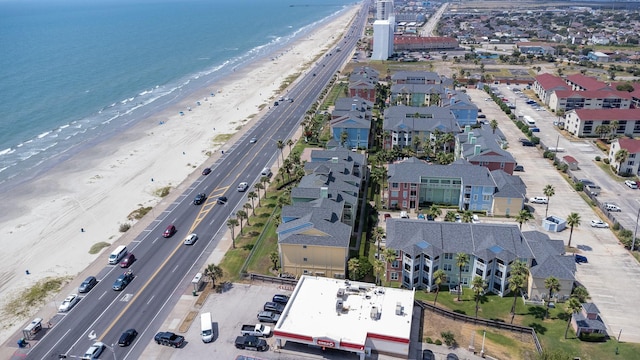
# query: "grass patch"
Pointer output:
{"type": "Point", "coordinates": [35, 296]}
{"type": "Point", "coordinates": [163, 191]}
{"type": "Point", "coordinates": [97, 247]}
{"type": "Point", "coordinates": [222, 138]}
{"type": "Point", "coordinates": [139, 213]}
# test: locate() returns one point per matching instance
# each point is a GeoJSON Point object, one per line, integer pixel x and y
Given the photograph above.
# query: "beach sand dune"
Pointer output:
{"type": "Point", "coordinates": [48, 226]}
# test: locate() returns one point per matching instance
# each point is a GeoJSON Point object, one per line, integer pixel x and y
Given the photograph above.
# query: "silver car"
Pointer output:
{"type": "Point", "coordinates": [191, 239]}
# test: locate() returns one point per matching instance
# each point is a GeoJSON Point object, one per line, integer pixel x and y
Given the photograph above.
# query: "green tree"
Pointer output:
{"type": "Point", "coordinates": [378, 269]}
{"type": "Point", "coordinates": [274, 257]}
{"type": "Point", "coordinates": [494, 125]}
{"type": "Point", "coordinates": [467, 216]}
{"type": "Point", "coordinates": [462, 259]}
{"type": "Point", "coordinates": [450, 216]}
{"type": "Point", "coordinates": [439, 276]}
{"type": "Point", "coordinates": [523, 217]}
{"type": "Point", "coordinates": [259, 187]}
{"type": "Point", "coordinates": [353, 265]}
{"type": "Point", "coordinates": [390, 257]}
{"type": "Point", "coordinates": [231, 224]}
{"type": "Point", "coordinates": [580, 293]}
{"type": "Point", "coordinates": [265, 180]}
{"type": "Point", "coordinates": [621, 156]}
{"type": "Point", "coordinates": [344, 136]}
{"type": "Point", "coordinates": [517, 281]}
{"type": "Point", "coordinates": [434, 211]}
{"type": "Point", "coordinates": [548, 191]}
{"type": "Point", "coordinates": [553, 285]}
{"type": "Point", "coordinates": [280, 146]}
{"type": "Point", "coordinates": [289, 144]}
{"type": "Point", "coordinates": [573, 306]}
{"type": "Point", "coordinates": [478, 285]}
{"type": "Point", "coordinates": [252, 196]}
{"type": "Point", "coordinates": [241, 215]}
{"type": "Point", "coordinates": [213, 272]}
{"type": "Point", "coordinates": [573, 221]}
{"type": "Point", "coordinates": [378, 235]}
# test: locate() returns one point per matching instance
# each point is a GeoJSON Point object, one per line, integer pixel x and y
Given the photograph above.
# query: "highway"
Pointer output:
{"type": "Point", "coordinates": [165, 266]}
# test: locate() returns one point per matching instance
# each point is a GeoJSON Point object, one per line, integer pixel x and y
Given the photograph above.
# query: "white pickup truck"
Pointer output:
{"type": "Point", "coordinates": [256, 330]}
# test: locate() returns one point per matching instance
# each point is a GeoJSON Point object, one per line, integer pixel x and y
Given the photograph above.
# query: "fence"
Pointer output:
{"type": "Point", "coordinates": [492, 323]}
{"type": "Point", "coordinates": [274, 279]}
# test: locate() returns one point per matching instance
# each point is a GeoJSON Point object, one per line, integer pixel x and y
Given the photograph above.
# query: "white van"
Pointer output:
{"type": "Point", "coordinates": [266, 172]}
{"type": "Point", "coordinates": [117, 254]}
{"type": "Point", "coordinates": [206, 328]}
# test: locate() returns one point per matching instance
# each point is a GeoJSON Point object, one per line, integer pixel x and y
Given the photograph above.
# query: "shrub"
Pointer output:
{"type": "Point", "coordinates": [598, 158]}
{"type": "Point", "coordinates": [429, 340]}
{"type": "Point", "coordinates": [125, 227]}
{"type": "Point", "coordinates": [578, 186]}
{"type": "Point", "coordinates": [438, 342]}
{"type": "Point", "coordinates": [606, 161]}
{"type": "Point", "coordinates": [593, 337]}
{"type": "Point", "coordinates": [448, 338]}
{"type": "Point", "coordinates": [535, 140]}
{"type": "Point", "coordinates": [564, 167]}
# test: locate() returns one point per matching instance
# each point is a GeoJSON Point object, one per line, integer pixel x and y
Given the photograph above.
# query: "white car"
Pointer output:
{"type": "Point", "coordinates": [69, 303]}
{"type": "Point", "coordinates": [612, 207]}
{"type": "Point", "coordinates": [539, 200]}
{"type": "Point", "coordinates": [630, 183]}
{"type": "Point", "coordinates": [94, 351]}
{"type": "Point", "coordinates": [191, 239]}
{"type": "Point", "coordinates": [243, 186]}
{"type": "Point", "coordinates": [599, 224]}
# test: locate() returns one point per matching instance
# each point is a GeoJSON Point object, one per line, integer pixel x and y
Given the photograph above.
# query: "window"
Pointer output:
{"type": "Point", "coordinates": [394, 194]}
{"type": "Point", "coordinates": [304, 259]}
{"type": "Point", "coordinates": [394, 276]}
{"type": "Point", "coordinates": [305, 271]}
{"type": "Point", "coordinates": [394, 185]}
{"type": "Point", "coordinates": [446, 267]}
{"type": "Point", "coordinates": [486, 197]}
{"type": "Point", "coordinates": [407, 267]}
{"type": "Point", "coordinates": [338, 276]}
{"type": "Point", "coordinates": [465, 268]}
{"type": "Point", "coordinates": [395, 264]}
{"type": "Point", "coordinates": [304, 246]}
{"type": "Point", "coordinates": [475, 197]}
{"type": "Point", "coordinates": [448, 256]}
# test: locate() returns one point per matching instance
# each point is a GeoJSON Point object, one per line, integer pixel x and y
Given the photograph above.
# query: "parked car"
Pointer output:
{"type": "Point", "coordinates": [268, 317]}
{"type": "Point", "coordinates": [387, 216]}
{"type": "Point", "coordinates": [632, 184]}
{"type": "Point", "coordinates": [581, 259]}
{"type": "Point", "coordinates": [122, 281]}
{"type": "Point", "coordinates": [251, 343]}
{"type": "Point", "coordinates": [518, 168]}
{"type": "Point", "coordinates": [191, 239]}
{"type": "Point", "coordinates": [452, 356]}
{"type": "Point", "coordinates": [428, 355]}
{"type": "Point", "coordinates": [168, 339]}
{"type": "Point", "coordinates": [222, 200]}
{"type": "Point", "coordinates": [127, 337]}
{"type": "Point", "coordinates": [169, 231]}
{"type": "Point", "coordinates": [206, 171]}
{"type": "Point", "coordinates": [273, 306]}
{"type": "Point", "coordinates": [599, 224]}
{"type": "Point", "coordinates": [199, 199]}
{"type": "Point", "coordinates": [88, 284]}
{"type": "Point", "coordinates": [535, 129]}
{"type": "Point", "coordinates": [68, 303]}
{"type": "Point", "coordinates": [127, 260]}
{"type": "Point", "coordinates": [94, 351]}
{"type": "Point", "coordinates": [280, 298]}
{"type": "Point", "coordinates": [539, 200]}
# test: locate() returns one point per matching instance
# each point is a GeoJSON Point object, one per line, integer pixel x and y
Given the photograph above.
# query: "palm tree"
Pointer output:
{"type": "Point", "coordinates": [247, 206]}
{"type": "Point", "coordinates": [434, 211]}
{"type": "Point", "coordinates": [259, 187]}
{"type": "Point", "coordinates": [354, 265]}
{"type": "Point", "coordinates": [213, 272]}
{"type": "Point", "coordinates": [390, 257]}
{"type": "Point", "coordinates": [467, 216]}
{"type": "Point", "coordinates": [232, 223]}
{"type": "Point", "coordinates": [241, 215]}
{"type": "Point", "coordinates": [548, 191]}
{"type": "Point", "coordinates": [553, 285]}
{"type": "Point", "coordinates": [494, 125]}
{"type": "Point", "coordinates": [439, 276]}
{"type": "Point", "coordinates": [265, 180]}
{"type": "Point", "coordinates": [614, 125]}
{"type": "Point", "coordinates": [252, 195]}
{"type": "Point", "coordinates": [573, 221]}
{"type": "Point", "coordinates": [580, 293]}
{"type": "Point", "coordinates": [573, 306]}
{"type": "Point", "coordinates": [378, 268]}
{"type": "Point", "coordinates": [274, 257]}
{"type": "Point", "coordinates": [523, 217]}
{"type": "Point", "coordinates": [517, 281]}
{"type": "Point", "coordinates": [280, 146]}
{"type": "Point", "coordinates": [462, 260]}
{"type": "Point", "coordinates": [450, 216]}
{"type": "Point", "coordinates": [621, 156]}
{"type": "Point", "coordinates": [478, 284]}
{"type": "Point", "coordinates": [378, 234]}
{"type": "Point", "coordinates": [344, 136]}
{"type": "Point", "coordinates": [289, 144]}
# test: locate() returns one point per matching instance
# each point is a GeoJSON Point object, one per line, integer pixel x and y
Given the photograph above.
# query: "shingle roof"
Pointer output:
{"type": "Point", "coordinates": [401, 118]}
{"type": "Point", "coordinates": [319, 226]}
{"type": "Point", "coordinates": [350, 122]}
{"type": "Point", "coordinates": [509, 186]}
{"type": "Point", "coordinates": [548, 82]}
{"type": "Point", "coordinates": [631, 145]}
{"type": "Point", "coordinates": [412, 169]}
{"type": "Point", "coordinates": [586, 82]}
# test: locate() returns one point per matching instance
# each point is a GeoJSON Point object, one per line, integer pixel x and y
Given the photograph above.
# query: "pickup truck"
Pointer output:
{"type": "Point", "coordinates": [256, 330]}
{"type": "Point", "coordinates": [251, 343]}
{"type": "Point", "coordinates": [169, 339]}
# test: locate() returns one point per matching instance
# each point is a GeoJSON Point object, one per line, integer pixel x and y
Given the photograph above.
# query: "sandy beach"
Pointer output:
{"type": "Point", "coordinates": [49, 225]}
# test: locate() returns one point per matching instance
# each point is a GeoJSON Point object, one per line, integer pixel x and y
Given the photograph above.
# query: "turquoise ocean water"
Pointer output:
{"type": "Point", "coordinates": [76, 72]}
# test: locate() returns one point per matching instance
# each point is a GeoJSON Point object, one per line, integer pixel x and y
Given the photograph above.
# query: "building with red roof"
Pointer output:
{"type": "Point", "coordinates": [423, 43]}
{"type": "Point", "coordinates": [546, 84]}
{"type": "Point", "coordinates": [579, 82]}
{"type": "Point", "coordinates": [589, 99]}
{"type": "Point", "coordinates": [631, 164]}
{"type": "Point", "coordinates": [585, 122]}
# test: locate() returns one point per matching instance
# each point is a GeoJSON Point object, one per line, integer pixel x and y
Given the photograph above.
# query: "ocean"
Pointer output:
{"type": "Point", "coordinates": [75, 72]}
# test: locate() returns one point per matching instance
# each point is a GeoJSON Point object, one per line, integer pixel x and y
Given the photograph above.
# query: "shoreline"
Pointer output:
{"type": "Point", "coordinates": [96, 189]}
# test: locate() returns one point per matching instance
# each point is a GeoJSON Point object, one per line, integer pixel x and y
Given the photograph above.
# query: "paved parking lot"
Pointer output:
{"type": "Point", "coordinates": [612, 274]}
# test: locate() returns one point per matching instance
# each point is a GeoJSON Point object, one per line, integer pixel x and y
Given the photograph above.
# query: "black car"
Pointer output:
{"type": "Point", "coordinates": [206, 171]}
{"type": "Point", "coordinates": [273, 306]}
{"type": "Point", "coordinates": [222, 200]}
{"type": "Point", "coordinates": [527, 143]}
{"type": "Point", "coordinates": [127, 337]}
{"type": "Point", "coordinates": [281, 299]}
{"type": "Point", "coordinates": [199, 199]}
{"type": "Point", "coordinates": [518, 168]}
{"type": "Point", "coordinates": [452, 356]}
{"type": "Point", "coordinates": [87, 284]}
{"type": "Point", "coordinates": [122, 281]}
{"type": "Point", "coordinates": [581, 259]}
{"type": "Point", "coordinates": [428, 355]}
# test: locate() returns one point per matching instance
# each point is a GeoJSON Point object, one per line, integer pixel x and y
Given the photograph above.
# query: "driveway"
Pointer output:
{"type": "Point", "coordinates": [612, 275]}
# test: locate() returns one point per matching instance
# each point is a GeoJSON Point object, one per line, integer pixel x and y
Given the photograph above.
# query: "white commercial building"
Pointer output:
{"type": "Point", "coordinates": [346, 315]}
{"type": "Point", "coordinates": [382, 40]}
{"type": "Point", "coordinates": [384, 9]}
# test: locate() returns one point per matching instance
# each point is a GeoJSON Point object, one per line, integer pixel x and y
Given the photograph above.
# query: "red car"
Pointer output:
{"type": "Point", "coordinates": [386, 216]}
{"type": "Point", "coordinates": [127, 260]}
{"type": "Point", "coordinates": [169, 231]}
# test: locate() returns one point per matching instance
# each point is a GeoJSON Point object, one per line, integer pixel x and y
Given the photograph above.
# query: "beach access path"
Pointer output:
{"type": "Point", "coordinates": [49, 225]}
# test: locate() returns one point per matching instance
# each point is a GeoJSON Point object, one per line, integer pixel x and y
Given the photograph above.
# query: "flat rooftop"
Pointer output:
{"type": "Point", "coordinates": [347, 311]}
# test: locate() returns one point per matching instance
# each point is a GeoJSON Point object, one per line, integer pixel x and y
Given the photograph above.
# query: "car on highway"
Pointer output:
{"type": "Point", "coordinates": [612, 207]}
{"type": "Point", "coordinates": [243, 186]}
{"type": "Point", "coordinates": [206, 171]}
{"type": "Point", "coordinates": [581, 259]}
{"type": "Point", "coordinates": [87, 284]}
{"type": "Point", "coordinates": [539, 200]}
{"type": "Point", "coordinates": [169, 231]}
{"type": "Point", "coordinates": [631, 184]}
{"type": "Point", "coordinates": [599, 224]}
{"type": "Point", "coordinates": [127, 337]}
{"type": "Point", "coordinates": [253, 140]}
{"type": "Point", "coordinates": [586, 182]}
{"type": "Point", "coordinates": [199, 199]}
{"type": "Point", "coordinates": [127, 260]}
{"type": "Point", "coordinates": [94, 351]}
{"type": "Point", "coordinates": [122, 281]}
{"type": "Point", "coordinates": [68, 303]}
{"type": "Point", "coordinates": [222, 200]}
{"type": "Point", "coordinates": [191, 239]}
